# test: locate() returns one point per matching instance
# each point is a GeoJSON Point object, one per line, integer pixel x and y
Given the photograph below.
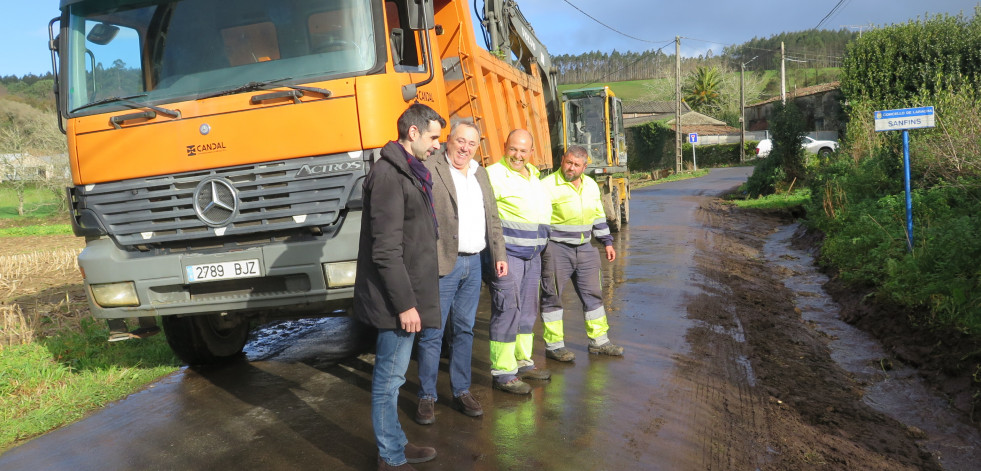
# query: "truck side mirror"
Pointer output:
{"type": "Point", "coordinates": [420, 14]}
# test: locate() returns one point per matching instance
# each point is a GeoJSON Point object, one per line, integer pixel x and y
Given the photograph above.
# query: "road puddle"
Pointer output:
{"type": "Point", "coordinates": [325, 339]}
{"type": "Point", "coordinates": [889, 386]}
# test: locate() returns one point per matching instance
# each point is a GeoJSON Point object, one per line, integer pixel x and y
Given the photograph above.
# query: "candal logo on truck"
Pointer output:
{"type": "Point", "coordinates": [209, 148]}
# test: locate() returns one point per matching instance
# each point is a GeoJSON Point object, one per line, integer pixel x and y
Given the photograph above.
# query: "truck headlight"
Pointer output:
{"type": "Point", "coordinates": [340, 274]}
{"type": "Point", "coordinates": [115, 294]}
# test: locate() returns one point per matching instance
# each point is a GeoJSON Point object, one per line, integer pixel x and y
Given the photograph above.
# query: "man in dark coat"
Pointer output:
{"type": "Point", "coordinates": [396, 287]}
{"type": "Point", "coordinates": [466, 211]}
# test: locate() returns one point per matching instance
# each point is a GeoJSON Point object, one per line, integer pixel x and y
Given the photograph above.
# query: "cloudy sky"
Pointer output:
{"type": "Point", "coordinates": [564, 29]}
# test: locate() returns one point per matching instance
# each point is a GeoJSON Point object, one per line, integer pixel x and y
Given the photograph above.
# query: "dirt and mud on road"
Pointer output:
{"type": "Point", "coordinates": [755, 347]}
{"type": "Point", "coordinates": [721, 372]}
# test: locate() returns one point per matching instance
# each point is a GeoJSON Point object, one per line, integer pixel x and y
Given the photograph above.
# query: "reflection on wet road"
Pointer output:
{"type": "Point", "coordinates": [298, 403]}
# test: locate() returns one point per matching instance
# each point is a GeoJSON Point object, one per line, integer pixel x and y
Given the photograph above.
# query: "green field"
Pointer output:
{"type": "Point", "coordinates": [632, 90]}
{"type": "Point", "coordinates": [39, 202]}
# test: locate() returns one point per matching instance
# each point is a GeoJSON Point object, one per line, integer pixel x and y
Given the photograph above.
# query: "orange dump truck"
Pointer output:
{"type": "Point", "coordinates": [218, 148]}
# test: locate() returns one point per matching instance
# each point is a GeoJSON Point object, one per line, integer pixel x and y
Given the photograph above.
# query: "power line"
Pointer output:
{"type": "Point", "coordinates": [707, 41]}
{"type": "Point", "coordinates": [610, 27]}
{"type": "Point", "coordinates": [832, 12]}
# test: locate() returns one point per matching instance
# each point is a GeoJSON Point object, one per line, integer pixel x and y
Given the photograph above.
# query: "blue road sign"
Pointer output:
{"type": "Point", "coordinates": [693, 138]}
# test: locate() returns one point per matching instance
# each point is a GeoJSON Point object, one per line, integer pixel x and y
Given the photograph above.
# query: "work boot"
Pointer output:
{"type": "Point", "coordinates": [419, 454]}
{"type": "Point", "coordinates": [469, 405]}
{"type": "Point", "coordinates": [607, 348]}
{"type": "Point", "coordinates": [515, 386]}
{"type": "Point", "coordinates": [561, 354]}
{"type": "Point", "coordinates": [426, 412]}
{"type": "Point", "coordinates": [530, 372]}
{"type": "Point", "coordinates": [383, 466]}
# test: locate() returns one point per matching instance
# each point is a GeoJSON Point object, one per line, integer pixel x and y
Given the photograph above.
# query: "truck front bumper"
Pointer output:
{"type": "Point", "coordinates": [292, 281]}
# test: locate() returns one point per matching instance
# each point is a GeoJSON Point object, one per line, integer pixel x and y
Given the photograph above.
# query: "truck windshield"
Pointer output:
{"type": "Point", "coordinates": [163, 51]}
{"type": "Point", "coordinates": [585, 126]}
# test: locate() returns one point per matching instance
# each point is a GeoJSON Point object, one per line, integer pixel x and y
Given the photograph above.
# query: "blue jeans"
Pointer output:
{"type": "Point", "coordinates": [459, 292]}
{"type": "Point", "coordinates": [392, 352]}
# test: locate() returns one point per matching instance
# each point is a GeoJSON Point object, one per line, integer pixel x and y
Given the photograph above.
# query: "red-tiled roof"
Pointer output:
{"type": "Point", "coordinates": [812, 90]}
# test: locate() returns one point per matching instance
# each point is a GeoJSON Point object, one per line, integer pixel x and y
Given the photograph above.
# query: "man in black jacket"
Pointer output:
{"type": "Point", "coordinates": [396, 288]}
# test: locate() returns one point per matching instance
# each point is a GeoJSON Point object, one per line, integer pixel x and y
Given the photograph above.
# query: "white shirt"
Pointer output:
{"type": "Point", "coordinates": [470, 209]}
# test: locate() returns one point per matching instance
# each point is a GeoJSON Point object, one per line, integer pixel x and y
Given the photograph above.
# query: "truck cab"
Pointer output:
{"type": "Point", "coordinates": [218, 148]}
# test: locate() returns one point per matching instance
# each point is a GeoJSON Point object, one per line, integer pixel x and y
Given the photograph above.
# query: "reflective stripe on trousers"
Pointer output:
{"type": "Point", "coordinates": [581, 264]}
{"type": "Point", "coordinates": [514, 308]}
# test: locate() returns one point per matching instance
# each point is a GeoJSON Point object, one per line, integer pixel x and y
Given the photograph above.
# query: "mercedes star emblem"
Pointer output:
{"type": "Point", "coordinates": [215, 201]}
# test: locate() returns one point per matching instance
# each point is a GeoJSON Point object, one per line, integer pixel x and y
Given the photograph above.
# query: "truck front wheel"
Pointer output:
{"type": "Point", "coordinates": [206, 339]}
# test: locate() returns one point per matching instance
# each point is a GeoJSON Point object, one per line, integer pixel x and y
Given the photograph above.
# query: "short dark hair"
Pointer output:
{"type": "Point", "coordinates": [420, 116]}
{"type": "Point", "coordinates": [578, 152]}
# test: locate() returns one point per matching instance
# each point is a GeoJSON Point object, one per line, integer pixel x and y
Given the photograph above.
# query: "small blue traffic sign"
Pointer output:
{"type": "Point", "coordinates": [693, 138]}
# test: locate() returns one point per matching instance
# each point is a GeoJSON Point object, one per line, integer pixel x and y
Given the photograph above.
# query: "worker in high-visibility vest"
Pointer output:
{"type": "Point", "coordinates": [577, 216]}
{"type": "Point", "coordinates": [525, 213]}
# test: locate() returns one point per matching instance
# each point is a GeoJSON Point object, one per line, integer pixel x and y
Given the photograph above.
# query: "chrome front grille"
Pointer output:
{"type": "Point", "coordinates": [272, 197]}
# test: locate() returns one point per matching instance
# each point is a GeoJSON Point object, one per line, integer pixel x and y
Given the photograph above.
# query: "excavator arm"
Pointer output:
{"type": "Point", "coordinates": [510, 33]}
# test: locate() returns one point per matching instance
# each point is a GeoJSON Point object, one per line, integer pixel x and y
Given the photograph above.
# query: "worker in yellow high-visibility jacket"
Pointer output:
{"type": "Point", "coordinates": [525, 213]}
{"type": "Point", "coordinates": [577, 216]}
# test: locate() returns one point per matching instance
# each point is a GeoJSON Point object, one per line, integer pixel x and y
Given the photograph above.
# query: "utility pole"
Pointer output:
{"type": "Point", "coordinates": [859, 27]}
{"type": "Point", "coordinates": [742, 109]}
{"type": "Point", "coordinates": [677, 104]}
{"type": "Point", "coordinates": [742, 112]}
{"type": "Point", "coordinates": [783, 73]}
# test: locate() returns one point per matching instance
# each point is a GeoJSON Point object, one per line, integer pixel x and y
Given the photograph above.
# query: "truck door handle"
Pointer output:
{"type": "Point", "coordinates": [116, 121]}
{"type": "Point", "coordinates": [293, 94]}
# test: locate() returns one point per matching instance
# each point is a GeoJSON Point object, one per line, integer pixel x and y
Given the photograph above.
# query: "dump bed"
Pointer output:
{"type": "Point", "coordinates": [496, 95]}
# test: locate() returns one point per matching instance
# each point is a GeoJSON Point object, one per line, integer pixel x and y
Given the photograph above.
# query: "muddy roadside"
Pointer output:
{"type": "Point", "coordinates": [814, 414]}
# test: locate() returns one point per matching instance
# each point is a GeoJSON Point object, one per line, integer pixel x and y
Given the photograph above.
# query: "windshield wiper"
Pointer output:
{"type": "Point", "coordinates": [266, 85]}
{"type": "Point", "coordinates": [128, 101]}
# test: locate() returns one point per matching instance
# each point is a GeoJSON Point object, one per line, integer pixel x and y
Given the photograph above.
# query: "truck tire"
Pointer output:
{"type": "Point", "coordinates": [612, 209]}
{"type": "Point", "coordinates": [625, 210]}
{"type": "Point", "coordinates": [206, 339]}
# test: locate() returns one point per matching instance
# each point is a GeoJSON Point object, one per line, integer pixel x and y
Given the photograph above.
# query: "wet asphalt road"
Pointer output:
{"type": "Point", "coordinates": [295, 406]}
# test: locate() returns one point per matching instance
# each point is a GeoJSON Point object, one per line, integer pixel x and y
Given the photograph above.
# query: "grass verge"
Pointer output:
{"type": "Point", "coordinates": [58, 379]}
{"type": "Point", "coordinates": [56, 365]}
{"type": "Point", "coordinates": [46, 229]}
{"type": "Point", "coordinates": [775, 201]}
{"type": "Point", "coordinates": [641, 183]}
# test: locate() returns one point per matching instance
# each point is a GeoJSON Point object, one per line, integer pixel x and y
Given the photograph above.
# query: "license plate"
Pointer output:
{"type": "Point", "coordinates": [223, 270]}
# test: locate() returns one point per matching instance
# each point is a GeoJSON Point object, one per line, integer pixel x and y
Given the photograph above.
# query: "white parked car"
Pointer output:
{"type": "Point", "coordinates": [813, 146]}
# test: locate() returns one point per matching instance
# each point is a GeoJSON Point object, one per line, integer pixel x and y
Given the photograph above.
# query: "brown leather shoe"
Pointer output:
{"type": "Point", "coordinates": [419, 454]}
{"type": "Point", "coordinates": [383, 466]}
{"type": "Point", "coordinates": [426, 412]}
{"type": "Point", "coordinates": [469, 405]}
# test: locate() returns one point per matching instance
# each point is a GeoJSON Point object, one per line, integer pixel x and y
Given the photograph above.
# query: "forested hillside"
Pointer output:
{"type": "Point", "coordinates": [36, 91]}
{"type": "Point", "coordinates": [813, 49]}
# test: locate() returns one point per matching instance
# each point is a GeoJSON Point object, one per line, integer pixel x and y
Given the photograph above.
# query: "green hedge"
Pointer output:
{"type": "Point", "coordinates": [858, 199]}
{"type": "Point", "coordinates": [717, 155]}
{"type": "Point", "coordinates": [651, 146]}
